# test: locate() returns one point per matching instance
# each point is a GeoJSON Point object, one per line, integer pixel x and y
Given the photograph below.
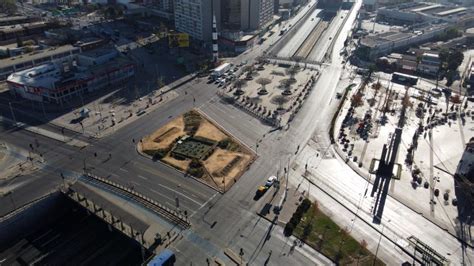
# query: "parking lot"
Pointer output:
{"type": "Point", "coordinates": [434, 136]}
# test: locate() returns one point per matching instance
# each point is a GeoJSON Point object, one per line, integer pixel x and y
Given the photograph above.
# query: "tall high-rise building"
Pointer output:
{"type": "Point", "coordinates": [258, 13]}
{"type": "Point", "coordinates": [231, 14]}
{"type": "Point", "coordinates": [195, 16]}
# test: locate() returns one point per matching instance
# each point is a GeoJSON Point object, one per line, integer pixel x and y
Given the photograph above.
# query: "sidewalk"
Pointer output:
{"type": "Point", "coordinates": [269, 202]}
{"type": "Point", "coordinates": [46, 133]}
{"type": "Point", "coordinates": [336, 180]}
{"type": "Point", "coordinates": [109, 113]}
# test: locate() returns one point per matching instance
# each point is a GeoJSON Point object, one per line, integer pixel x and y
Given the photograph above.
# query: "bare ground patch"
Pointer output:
{"type": "Point", "coordinates": [208, 130]}
{"type": "Point", "coordinates": [227, 162]}
{"type": "Point", "coordinates": [227, 166]}
{"type": "Point", "coordinates": [164, 136]}
{"type": "Point", "coordinates": [179, 164]}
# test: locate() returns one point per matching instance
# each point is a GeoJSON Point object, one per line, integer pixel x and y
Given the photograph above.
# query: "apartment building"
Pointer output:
{"type": "Point", "coordinates": [195, 16]}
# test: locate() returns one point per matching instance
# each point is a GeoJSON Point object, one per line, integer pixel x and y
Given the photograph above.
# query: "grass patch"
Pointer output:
{"type": "Point", "coordinates": [321, 233]}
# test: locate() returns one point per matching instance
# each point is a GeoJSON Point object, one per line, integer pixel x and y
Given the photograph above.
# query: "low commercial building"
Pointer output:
{"type": "Point", "coordinates": [22, 31]}
{"type": "Point", "coordinates": [429, 64]}
{"type": "Point", "coordinates": [238, 44]}
{"type": "Point", "coordinates": [11, 20]}
{"type": "Point", "coordinates": [25, 61]}
{"type": "Point", "coordinates": [373, 46]}
{"type": "Point", "coordinates": [60, 83]}
{"type": "Point", "coordinates": [417, 12]}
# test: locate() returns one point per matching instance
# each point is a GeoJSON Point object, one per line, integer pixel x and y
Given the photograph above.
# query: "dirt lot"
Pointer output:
{"type": "Point", "coordinates": [208, 130]}
{"type": "Point", "coordinates": [164, 136]}
{"type": "Point", "coordinates": [180, 164]}
{"type": "Point", "coordinates": [216, 163]}
{"type": "Point", "coordinates": [227, 163]}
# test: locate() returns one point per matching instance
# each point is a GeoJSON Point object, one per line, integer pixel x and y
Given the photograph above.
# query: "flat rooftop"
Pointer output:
{"type": "Point", "coordinates": [12, 18]}
{"type": "Point", "coordinates": [8, 62]}
{"type": "Point", "coordinates": [19, 27]}
{"type": "Point", "coordinates": [50, 76]}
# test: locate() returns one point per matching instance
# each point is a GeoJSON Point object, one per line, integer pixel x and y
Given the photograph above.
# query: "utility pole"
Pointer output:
{"type": "Point", "coordinates": [44, 111]}
{"type": "Point", "coordinates": [13, 114]}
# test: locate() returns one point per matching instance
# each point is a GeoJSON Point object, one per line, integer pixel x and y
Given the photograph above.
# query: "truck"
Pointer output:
{"type": "Point", "coordinates": [220, 70]}
{"type": "Point", "coordinates": [164, 258]}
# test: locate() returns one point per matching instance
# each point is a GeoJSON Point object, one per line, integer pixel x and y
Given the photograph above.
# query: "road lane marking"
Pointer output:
{"type": "Point", "coordinates": [177, 192]}
{"type": "Point", "coordinates": [204, 204]}
{"type": "Point", "coordinates": [142, 177]}
{"type": "Point", "coordinates": [161, 194]}
{"type": "Point", "coordinates": [122, 169]}
{"type": "Point", "coordinates": [154, 172]}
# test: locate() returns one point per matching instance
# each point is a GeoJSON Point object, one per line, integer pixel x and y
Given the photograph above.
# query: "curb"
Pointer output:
{"type": "Point", "coordinates": [140, 152]}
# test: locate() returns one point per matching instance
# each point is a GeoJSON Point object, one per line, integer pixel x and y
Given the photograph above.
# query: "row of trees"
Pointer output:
{"type": "Point", "coordinates": [8, 6]}
{"type": "Point", "coordinates": [450, 61]}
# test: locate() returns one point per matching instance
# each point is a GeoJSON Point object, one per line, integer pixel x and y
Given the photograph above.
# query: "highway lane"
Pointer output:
{"type": "Point", "coordinates": [290, 48]}
{"type": "Point", "coordinates": [324, 43]}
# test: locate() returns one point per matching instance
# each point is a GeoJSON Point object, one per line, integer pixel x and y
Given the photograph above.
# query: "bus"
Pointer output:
{"type": "Point", "coordinates": [404, 79]}
{"type": "Point", "coordinates": [165, 258]}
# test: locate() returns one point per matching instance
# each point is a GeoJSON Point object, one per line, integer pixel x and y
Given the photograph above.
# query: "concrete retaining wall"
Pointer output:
{"type": "Point", "coordinates": [17, 225]}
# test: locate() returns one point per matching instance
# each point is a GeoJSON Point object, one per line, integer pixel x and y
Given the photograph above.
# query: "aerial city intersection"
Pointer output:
{"type": "Point", "coordinates": [234, 132]}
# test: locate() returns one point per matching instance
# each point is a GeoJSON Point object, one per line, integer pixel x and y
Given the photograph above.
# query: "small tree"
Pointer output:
{"type": "Point", "coordinates": [456, 99]}
{"type": "Point", "coordinates": [357, 99]}
{"type": "Point", "coordinates": [263, 82]}
{"type": "Point", "coordinates": [238, 84]}
{"type": "Point", "coordinates": [292, 71]}
{"type": "Point", "coordinates": [406, 101]}
{"type": "Point", "coordinates": [249, 69]}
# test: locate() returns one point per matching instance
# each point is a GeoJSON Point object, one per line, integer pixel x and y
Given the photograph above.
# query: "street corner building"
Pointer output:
{"type": "Point", "coordinates": [63, 81]}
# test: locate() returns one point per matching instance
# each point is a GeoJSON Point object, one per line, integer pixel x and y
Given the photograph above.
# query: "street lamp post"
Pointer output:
{"type": "Point", "coordinates": [380, 239]}
{"type": "Point", "coordinates": [11, 110]}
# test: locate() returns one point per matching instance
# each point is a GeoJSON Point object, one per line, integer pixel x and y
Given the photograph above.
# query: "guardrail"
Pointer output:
{"type": "Point", "coordinates": [143, 200]}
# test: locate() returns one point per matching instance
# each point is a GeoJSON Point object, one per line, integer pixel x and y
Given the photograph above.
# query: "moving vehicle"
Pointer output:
{"type": "Point", "coordinates": [164, 258]}
{"type": "Point", "coordinates": [270, 181]}
{"type": "Point", "coordinates": [261, 190]}
{"type": "Point", "coordinates": [220, 70]}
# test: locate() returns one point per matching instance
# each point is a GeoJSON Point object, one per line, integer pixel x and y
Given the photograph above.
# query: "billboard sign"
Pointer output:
{"type": "Point", "coordinates": [178, 40]}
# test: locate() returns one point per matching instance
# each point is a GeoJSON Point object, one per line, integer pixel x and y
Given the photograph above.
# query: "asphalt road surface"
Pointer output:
{"type": "Point", "coordinates": [219, 221]}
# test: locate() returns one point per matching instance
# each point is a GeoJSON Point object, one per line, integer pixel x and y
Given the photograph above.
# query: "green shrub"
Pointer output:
{"type": "Point", "coordinates": [196, 172]}
{"type": "Point", "coordinates": [195, 164]}
{"type": "Point", "coordinates": [160, 153]}
{"type": "Point", "coordinates": [150, 152]}
{"type": "Point", "coordinates": [192, 120]}
{"type": "Point", "coordinates": [297, 215]}
{"type": "Point", "coordinates": [224, 143]}
{"type": "Point", "coordinates": [288, 231]}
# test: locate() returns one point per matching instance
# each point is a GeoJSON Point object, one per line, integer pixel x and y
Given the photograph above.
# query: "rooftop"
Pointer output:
{"type": "Point", "coordinates": [397, 35]}
{"type": "Point", "coordinates": [99, 52]}
{"type": "Point", "coordinates": [19, 27]}
{"type": "Point", "coordinates": [51, 76]}
{"type": "Point", "coordinates": [432, 10]}
{"type": "Point", "coordinates": [36, 55]}
{"type": "Point", "coordinates": [12, 18]}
